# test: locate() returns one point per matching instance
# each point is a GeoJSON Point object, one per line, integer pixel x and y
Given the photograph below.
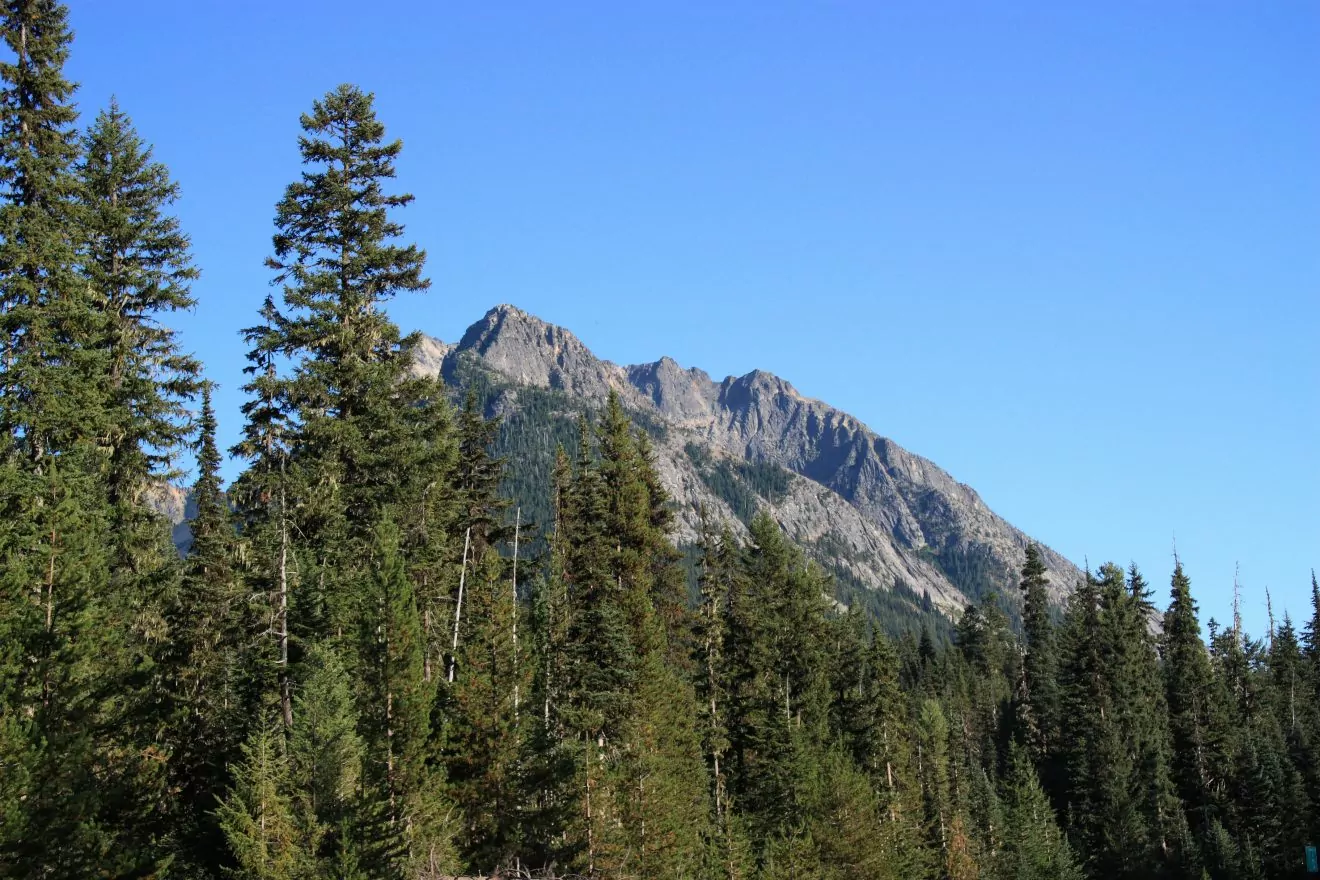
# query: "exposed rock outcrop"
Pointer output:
{"type": "Point", "coordinates": [860, 503]}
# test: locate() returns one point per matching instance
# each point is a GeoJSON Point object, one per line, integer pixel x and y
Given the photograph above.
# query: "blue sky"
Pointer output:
{"type": "Point", "coordinates": [1070, 252]}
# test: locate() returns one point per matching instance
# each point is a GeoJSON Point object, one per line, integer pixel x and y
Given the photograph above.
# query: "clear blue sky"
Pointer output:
{"type": "Point", "coordinates": [1068, 251]}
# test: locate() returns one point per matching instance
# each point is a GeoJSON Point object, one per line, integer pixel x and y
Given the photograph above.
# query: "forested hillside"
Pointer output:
{"type": "Point", "coordinates": [361, 670]}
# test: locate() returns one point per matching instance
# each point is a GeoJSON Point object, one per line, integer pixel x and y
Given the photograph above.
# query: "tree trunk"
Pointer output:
{"type": "Point", "coordinates": [458, 609]}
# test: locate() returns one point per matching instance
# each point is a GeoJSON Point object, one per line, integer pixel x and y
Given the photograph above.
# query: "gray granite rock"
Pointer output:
{"type": "Point", "coordinates": [856, 500]}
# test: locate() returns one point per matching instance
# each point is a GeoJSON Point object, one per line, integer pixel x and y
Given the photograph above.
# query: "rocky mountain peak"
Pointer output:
{"type": "Point", "coordinates": [857, 500]}
{"type": "Point", "coordinates": [534, 352]}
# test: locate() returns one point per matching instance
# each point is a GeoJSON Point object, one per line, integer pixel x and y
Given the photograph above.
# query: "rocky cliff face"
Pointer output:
{"type": "Point", "coordinates": [880, 517]}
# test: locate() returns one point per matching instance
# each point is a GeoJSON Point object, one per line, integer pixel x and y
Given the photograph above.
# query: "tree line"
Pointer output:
{"type": "Point", "coordinates": [357, 671]}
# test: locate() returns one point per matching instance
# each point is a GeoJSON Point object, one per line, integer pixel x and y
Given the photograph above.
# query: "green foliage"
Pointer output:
{"type": "Point", "coordinates": [137, 258]}
{"type": "Point", "coordinates": [260, 817]}
{"type": "Point", "coordinates": [348, 676]}
{"type": "Point", "coordinates": [741, 485]}
{"type": "Point", "coordinates": [1034, 847]}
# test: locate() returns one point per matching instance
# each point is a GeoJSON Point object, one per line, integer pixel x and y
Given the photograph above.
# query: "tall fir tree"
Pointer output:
{"type": "Point", "coordinates": [138, 260]}
{"type": "Point", "coordinates": [207, 664]}
{"type": "Point", "coordinates": [337, 260]}
{"type": "Point", "coordinates": [78, 698]}
{"type": "Point", "coordinates": [260, 815]}
{"type": "Point", "coordinates": [778, 689]}
{"type": "Point", "coordinates": [1194, 704]}
{"type": "Point", "coordinates": [1038, 696]}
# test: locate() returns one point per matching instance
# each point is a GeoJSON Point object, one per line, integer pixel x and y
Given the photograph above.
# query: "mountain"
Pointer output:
{"type": "Point", "coordinates": [900, 535]}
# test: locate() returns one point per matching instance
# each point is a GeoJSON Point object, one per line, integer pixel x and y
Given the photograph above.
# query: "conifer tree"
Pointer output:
{"type": "Point", "coordinates": [1035, 848]}
{"type": "Point", "coordinates": [715, 581]}
{"type": "Point", "coordinates": [1199, 759]}
{"type": "Point", "coordinates": [778, 692]}
{"type": "Point", "coordinates": [933, 770]}
{"type": "Point", "coordinates": [77, 702]}
{"type": "Point", "coordinates": [138, 260]}
{"type": "Point", "coordinates": [326, 757]}
{"type": "Point", "coordinates": [260, 815]}
{"type": "Point", "coordinates": [1311, 633]}
{"type": "Point", "coordinates": [338, 260]}
{"type": "Point", "coordinates": [263, 498]}
{"type": "Point", "coordinates": [626, 712]}
{"type": "Point", "coordinates": [484, 734]}
{"type": "Point", "coordinates": [207, 662]}
{"type": "Point", "coordinates": [133, 255]}
{"type": "Point", "coordinates": [847, 824]}
{"type": "Point", "coordinates": [1094, 752]}
{"type": "Point", "coordinates": [396, 701]}
{"type": "Point", "coordinates": [1038, 700]}
{"type": "Point", "coordinates": [50, 325]}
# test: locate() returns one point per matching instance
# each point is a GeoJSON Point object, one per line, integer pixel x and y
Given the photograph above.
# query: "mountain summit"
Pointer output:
{"type": "Point", "coordinates": [882, 519]}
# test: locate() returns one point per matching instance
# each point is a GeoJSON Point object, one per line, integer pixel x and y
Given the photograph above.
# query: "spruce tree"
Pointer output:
{"type": "Point", "coordinates": [408, 816]}
{"type": "Point", "coordinates": [207, 663]}
{"type": "Point", "coordinates": [778, 690]}
{"type": "Point", "coordinates": [326, 755]}
{"type": "Point", "coordinates": [260, 816]}
{"type": "Point", "coordinates": [484, 731]}
{"type": "Point", "coordinates": [50, 325]}
{"type": "Point", "coordinates": [263, 496]}
{"type": "Point", "coordinates": [77, 703]}
{"type": "Point", "coordinates": [1038, 699]}
{"type": "Point", "coordinates": [337, 260]}
{"type": "Point", "coordinates": [1199, 759]}
{"type": "Point", "coordinates": [714, 581]}
{"type": "Point", "coordinates": [1311, 634]}
{"type": "Point", "coordinates": [137, 258]}
{"type": "Point", "coordinates": [1035, 848]}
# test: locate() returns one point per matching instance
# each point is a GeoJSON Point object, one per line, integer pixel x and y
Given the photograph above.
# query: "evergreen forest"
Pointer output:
{"type": "Point", "coordinates": [372, 663]}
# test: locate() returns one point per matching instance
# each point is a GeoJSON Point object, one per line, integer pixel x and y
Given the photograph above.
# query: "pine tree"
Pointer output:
{"type": "Point", "coordinates": [1035, 848]}
{"type": "Point", "coordinates": [1311, 634]}
{"type": "Point", "coordinates": [77, 703]}
{"type": "Point", "coordinates": [326, 757]}
{"type": "Point", "coordinates": [847, 824]}
{"type": "Point", "coordinates": [626, 711]}
{"type": "Point", "coordinates": [714, 581]}
{"type": "Point", "coordinates": [778, 692]}
{"type": "Point", "coordinates": [50, 325]}
{"type": "Point", "coordinates": [938, 808]}
{"type": "Point", "coordinates": [1093, 753]}
{"type": "Point", "coordinates": [262, 496]}
{"type": "Point", "coordinates": [484, 733]}
{"type": "Point", "coordinates": [337, 260]}
{"type": "Point", "coordinates": [1199, 759]}
{"type": "Point", "coordinates": [207, 663]}
{"type": "Point", "coordinates": [260, 816]}
{"type": "Point", "coordinates": [137, 259]}
{"type": "Point", "coordinates": [396, 703]}
{"type": "Point", "coordinates": [1038, 698]}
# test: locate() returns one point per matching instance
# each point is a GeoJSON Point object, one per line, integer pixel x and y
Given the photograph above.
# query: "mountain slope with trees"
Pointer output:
{"type": "Point", "coordinates": [882, 520]}
{"type": "Point", "coordinates": [369, 665]}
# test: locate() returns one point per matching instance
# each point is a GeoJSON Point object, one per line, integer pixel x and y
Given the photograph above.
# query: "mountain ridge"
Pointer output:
{"type": "Point", "coordinates": [861, 504]}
